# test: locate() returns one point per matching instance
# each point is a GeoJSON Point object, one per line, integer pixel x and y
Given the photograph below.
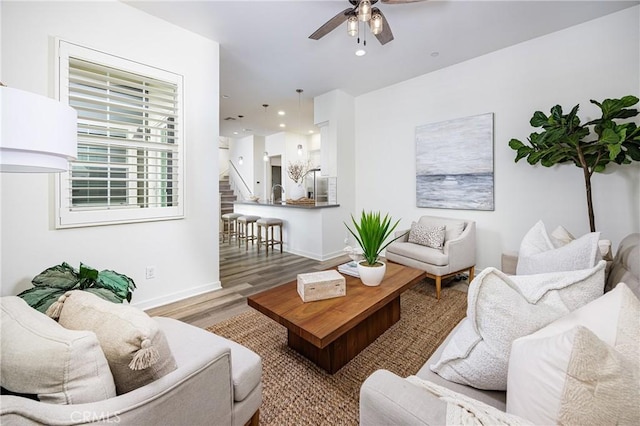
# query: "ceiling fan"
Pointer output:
{"type": "Point", "coordinates": [363, 11]}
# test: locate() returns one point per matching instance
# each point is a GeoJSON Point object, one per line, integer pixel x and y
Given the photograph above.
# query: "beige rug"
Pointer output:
{"type": "Point", "coordinates": [296, 392]}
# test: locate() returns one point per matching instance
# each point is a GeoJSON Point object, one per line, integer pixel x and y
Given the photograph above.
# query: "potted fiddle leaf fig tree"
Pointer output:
{"type": "Point", "coordinates": [590, 146]}
{"type": "Point", "coordinates": [371, 233]}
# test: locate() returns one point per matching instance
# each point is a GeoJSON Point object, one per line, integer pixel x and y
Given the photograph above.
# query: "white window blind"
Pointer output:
{"type": "Point", "coordinates": [130, 140]}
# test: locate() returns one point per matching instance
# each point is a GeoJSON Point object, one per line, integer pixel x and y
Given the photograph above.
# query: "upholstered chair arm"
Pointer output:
{"type": "Point", "coordinates": [509, 262]}
{"type": "Point", "coordinates": [462, 250]}
{"type": "Point", "coordinates": [387, 399]}
{"type": "Point", "coordinates": [404, 238]}
{"type": "Point", "coordinates": [198, 392]}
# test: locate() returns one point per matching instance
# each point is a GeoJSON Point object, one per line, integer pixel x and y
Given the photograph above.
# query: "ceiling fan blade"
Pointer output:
{"type": "Point", "coordinates": [331, 24]}
{"type": "Point", "coordinates": [386, 35]}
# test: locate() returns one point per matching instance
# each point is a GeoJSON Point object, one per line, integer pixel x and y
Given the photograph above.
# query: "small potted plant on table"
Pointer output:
{"type": "Point", "coordinates": [371, 233]}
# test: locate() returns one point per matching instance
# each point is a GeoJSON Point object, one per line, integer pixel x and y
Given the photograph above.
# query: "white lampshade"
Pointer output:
{"type": "Point", "coordinates": [37, 134]}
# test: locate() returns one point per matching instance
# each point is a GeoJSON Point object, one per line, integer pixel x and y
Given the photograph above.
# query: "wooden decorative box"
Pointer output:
{"type": "Point", "coordinates": [321, 285]}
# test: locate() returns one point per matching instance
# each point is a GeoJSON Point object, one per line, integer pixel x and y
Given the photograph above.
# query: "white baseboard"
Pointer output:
{"type": "Point", "coordinates": [314, 256]}
{"type": "Point", "coordinates": [179, 295]}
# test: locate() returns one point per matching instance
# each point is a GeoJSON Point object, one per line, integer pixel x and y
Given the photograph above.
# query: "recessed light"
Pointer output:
{"type": "Point", "coordinates": [246, 130]}
{"type": "Point", "coordinates": [434, 54]}
{"type": "Point", "coordinates": [310, 132]}
{"type": "Point", "coordinates": [361, 52]}
{"type": "Point", "coordinates": [283, 125]}
{"type": "Point", "coordinates": [281, 113]}
{"type": "Point", "coordinates": [235, 133]}
{"type": "Point", "coordinates": [225, 96]}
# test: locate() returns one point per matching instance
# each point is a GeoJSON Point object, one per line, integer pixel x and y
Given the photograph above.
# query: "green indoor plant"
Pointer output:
{"type": "Point", "coordinates": [53, 282]}
{"type": "Point", "coordinates": [371, 232]}
{"type": "Point", "coordinates": [590, 146]}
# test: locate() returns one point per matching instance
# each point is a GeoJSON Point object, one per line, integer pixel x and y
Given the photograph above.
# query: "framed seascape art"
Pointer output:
{"type": "Point", "coordinates": [454, 164]}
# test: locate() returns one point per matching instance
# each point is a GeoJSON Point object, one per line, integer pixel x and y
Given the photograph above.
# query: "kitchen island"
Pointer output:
{"type": "Point", "coordinates": [311, 230]}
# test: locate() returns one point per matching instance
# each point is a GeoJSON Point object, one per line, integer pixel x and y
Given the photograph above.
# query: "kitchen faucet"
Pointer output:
{"type": "Point", "coordinates": [273, 188]}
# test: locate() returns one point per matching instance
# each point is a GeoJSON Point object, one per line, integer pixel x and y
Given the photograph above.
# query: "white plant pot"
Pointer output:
{"type": "Point", "coordinates": [371, 275]}
{"type": "Point", "coordinates": [297, 192]}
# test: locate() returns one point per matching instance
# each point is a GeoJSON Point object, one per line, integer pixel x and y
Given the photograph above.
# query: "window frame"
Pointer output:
{"type": "Point", "coordinates": [66, 216]}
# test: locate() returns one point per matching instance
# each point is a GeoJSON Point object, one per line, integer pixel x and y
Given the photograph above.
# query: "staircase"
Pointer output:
{"type": "Point", "coordinates": [227, 196]}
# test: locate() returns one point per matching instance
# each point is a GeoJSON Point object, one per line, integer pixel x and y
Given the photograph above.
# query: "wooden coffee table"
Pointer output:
{"type": "Point", "coordinates": [331, 332]}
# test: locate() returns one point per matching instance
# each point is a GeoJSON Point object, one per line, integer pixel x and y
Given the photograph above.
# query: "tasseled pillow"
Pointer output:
{"type": "Point", "coordinates": [136, 349]}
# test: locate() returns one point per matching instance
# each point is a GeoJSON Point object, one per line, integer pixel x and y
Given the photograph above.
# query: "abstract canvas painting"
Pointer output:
{"type": "Point", "coordinates": [454, 164]}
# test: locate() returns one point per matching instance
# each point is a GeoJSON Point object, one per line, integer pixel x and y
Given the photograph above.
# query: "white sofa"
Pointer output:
{"type": "Point", "coordinates": [457, 255]}
{"type": "Point", "coordinates": [387, 399]}
{"type": "Point", "coordinates": [216, 381]}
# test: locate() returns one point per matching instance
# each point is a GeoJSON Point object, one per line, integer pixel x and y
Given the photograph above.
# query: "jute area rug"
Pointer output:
{"type": "Point", "coordinates": [297, 392]}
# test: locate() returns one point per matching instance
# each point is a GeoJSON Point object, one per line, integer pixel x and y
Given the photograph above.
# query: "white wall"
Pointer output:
{"type": "Point", "coordinates": [184, 252]}
{"type": "Point", "coordinates": [243, 147]}
{"type": "Point", "coordinates": [335, 111]}
{"type": "Point", "coordinates": [223, 154]}
{"type": "Point", "coordinates": [285, 145]}
{"type": "Point", "coordinates": [595, 60]}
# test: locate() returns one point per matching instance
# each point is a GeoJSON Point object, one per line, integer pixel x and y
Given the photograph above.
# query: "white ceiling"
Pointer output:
{"type": "Point", "coordinates": [265, 52]}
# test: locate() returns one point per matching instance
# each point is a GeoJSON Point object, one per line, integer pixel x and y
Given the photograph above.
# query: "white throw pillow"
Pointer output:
{"type": "Point", "coordinates": [135, 347]}
{"type": "Point", "coordinates": [425, 235]}
{"type": "Point", "coordinates": [500, 309]}
{"type": "Point", "coordinates": [538, 254]}
{"type": "Point", "coordinates": [541, 366]}
{"type": "Point", "coordinates": [453, 227]}
{"type": "Point", "coordinates": [41, 357]}
{"type": "Point", "coordinates": [561, 237]}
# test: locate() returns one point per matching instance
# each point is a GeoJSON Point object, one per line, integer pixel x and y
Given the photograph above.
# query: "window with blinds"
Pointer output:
{"type": "Point", "coordinates": [130, 140]}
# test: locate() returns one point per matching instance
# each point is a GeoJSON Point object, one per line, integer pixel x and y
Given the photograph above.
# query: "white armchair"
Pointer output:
{"type": "Point", "coordinates": [217, 381]}
{"type": "Point", "coordinates": [458, 253]}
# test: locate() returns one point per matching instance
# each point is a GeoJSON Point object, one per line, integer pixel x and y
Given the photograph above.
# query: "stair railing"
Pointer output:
{"type": "Point", "coordinates": [242, 190]}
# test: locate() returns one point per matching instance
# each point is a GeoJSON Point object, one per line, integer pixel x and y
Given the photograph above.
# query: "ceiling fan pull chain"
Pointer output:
{"type": "Point", "coordinates": [364, 43]}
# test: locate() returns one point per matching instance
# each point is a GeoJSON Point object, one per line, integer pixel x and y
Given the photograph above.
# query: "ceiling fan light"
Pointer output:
{"type": "Point", "coordinates": [364, 10]}
{"type": "Point", "coordinates": [361, 52]}
{"type": "Point", "coordinates": [376, 24]}
{"type": "Point", "coordinates": [352, 26]}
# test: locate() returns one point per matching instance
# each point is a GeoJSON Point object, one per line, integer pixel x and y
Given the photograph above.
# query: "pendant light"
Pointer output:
{"type": "Point", "coordinates": [37, 133]}
{"type": "Point", "coordinates": [299, 91]}
{"type": "Point", "coordinates": [376, 22]}
{"type": "Point", "coordinates": [265, 156]}
{"type": "Point", "coordinates": [352, 25]}
{"type": "Point", "coordinates": [364, 10]}
{"type": "Point", "coordinates": [265, 106]}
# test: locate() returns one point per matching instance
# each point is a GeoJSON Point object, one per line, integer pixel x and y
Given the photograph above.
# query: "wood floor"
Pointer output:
{"type": "Point", "coordinates": [242, 273]}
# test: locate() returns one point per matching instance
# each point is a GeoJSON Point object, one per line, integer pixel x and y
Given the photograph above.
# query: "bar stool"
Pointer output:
{"type": "Point", "coordinates": [246, 223]}
{"type": "Point", "coordinates": [231, 219]}
{"type": "Point", "coordinates": [268, 223]}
